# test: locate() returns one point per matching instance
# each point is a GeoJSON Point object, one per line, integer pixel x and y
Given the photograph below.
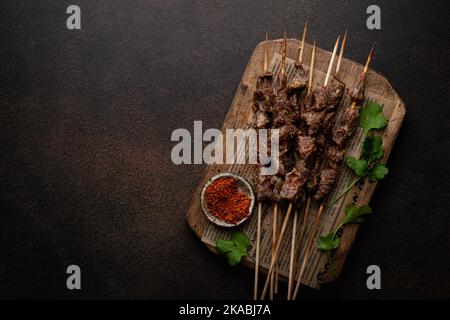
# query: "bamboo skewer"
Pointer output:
{"type": "Point", "coordinates": [308, 250]}
{"type": "Point", "coordinates": [341, 52]}
{"type": "Point", "coordinates": [311, 69]}
{"type": "Point", "coordinates": [330, 66]}
{"type": "Point", "coordinates": [258, 226]}
{"type": "Point", "coordinates": [258, 245]}
{"type": "Point", "coordinates": [286, 218]}
{"type": "Point", "coordinates": [277, 250]}
{"type": "Point", "coordinates": [295, 218]}
{"type": "Point", "coordinates": [277, 264]}
{"type": "Point", "coordinates": [275, 209]}
{"type": "Point", "coordinates": [293, 249]}
{"type": "Point", "coordinates": [369, 60]}
{"type": "Point", "coordinates": [314, 230]}
{"type": "Point", "coordinates": [292, 254]}
{"type": "Point", "coordinates": [266, 53]}
{"type": "Point", "coordinates": [302, 44]}
{"type": "Point", "coordinates": [274, 243]}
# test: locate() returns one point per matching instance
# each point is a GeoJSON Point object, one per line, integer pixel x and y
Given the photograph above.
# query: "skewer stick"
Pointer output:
{"type": "Point", "coordinates": [333, 55]}
{"type": "Point", "coordinates": [304, 219]}
{"type": "Point", "coordinates": [341, 52]}
{"type": "Point", "coordinates": [283, 55]}
{"type": "Point", "coordinates": [292, 257]}
{"type": "Point", "coordinates": [308, 201]}
{"type": "Point", "coordinates": [302, 45]}
{"type": "Point", "coordinates": [275, 274]}
{"type": "Point", "coordinates": [274, 244]}
{"type": "Point", "coordinates": [258, 245]}
{"type": "Point", "coordinates": [277, 251]}
{"type": "Point", "coordinates": [369, 60]}
{"type": "Point", "coordinates": [311, 69]}
{"type": "Point", "coordinates": [275, 215]}
{"type": "Point", "coordinates": [308, 250]}
{"type": "Point", "coordinates": [277, 264]}
{"type": "Point", "coordinates": [302, 234]}
{"type": "Point", "coordinates": [319, 214]}
{"type": "Point", "coordinates": [258, 227]}
{"type": "Point", "coordinates": [364, 73]}
{"type": "Point", "coordinates": [266, 53]}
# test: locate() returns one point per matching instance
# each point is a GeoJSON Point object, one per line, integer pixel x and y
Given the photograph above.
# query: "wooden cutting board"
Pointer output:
{"type": "Point", "coordinates": [240, 115]}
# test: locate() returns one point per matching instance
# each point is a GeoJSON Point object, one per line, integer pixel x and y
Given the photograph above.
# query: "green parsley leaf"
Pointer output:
{"type": "Point", "coordinates": [224, 246]}
{"type": "Point", "coordinates": [328, 242]}
{"type": "Point", "coordinates": [234, 257]}
{"type": "Point", "coordinates": [372, 148]}
{"type": "Point", "coordinates": [358, 166]}
{"type": "Point", "coordinates": [234, 249]}
{"type": "Point", "coordinates": [240, 239]}
{"type": "Point", "coordinates": [371, 117]}
{"type": "Point", "coordinates": [353, 214]}
{"type": "Point", "coordinates": [378, 172]}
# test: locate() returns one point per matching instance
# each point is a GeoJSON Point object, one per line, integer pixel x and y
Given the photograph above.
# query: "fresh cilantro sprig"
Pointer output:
{"type": "Point", "coordinates": [368, 165]}
{"type": "Point", "coordinates": [371, 117]}
{"type": "Point", "coordinates": [235, 248]}
{"type": "Point", "coordinates": [331, 242]}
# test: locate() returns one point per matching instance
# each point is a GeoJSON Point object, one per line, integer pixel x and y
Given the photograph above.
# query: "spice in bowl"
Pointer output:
{"type": "Point", "coordinates": [225, 201]}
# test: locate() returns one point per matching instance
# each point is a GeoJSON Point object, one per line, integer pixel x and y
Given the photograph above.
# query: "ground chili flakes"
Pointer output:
{"type": "Point", "coordinates": [225, 201]}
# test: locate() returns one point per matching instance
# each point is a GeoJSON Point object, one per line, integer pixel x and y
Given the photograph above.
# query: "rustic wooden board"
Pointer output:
{"type": "Point", "coordinates": [240, 116]}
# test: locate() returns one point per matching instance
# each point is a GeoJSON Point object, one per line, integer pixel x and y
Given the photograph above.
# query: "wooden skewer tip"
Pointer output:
{"type": "Point", "coordinates": [369, 58]}
{"type": "Point", "coordinates": [341, 52]}
{"type": "Point", "coordinates": [330, 65]}
{"type": "Point", "coordinates": [266, 53]}
{"type": "Point", "coordinates": [283, 54]}
{"type": "Point", "coordinates": [311, 68]}
{"type": "Point", "coordinates": [302, 44]}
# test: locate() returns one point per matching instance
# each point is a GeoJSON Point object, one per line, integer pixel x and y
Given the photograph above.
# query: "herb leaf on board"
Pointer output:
{"type": "Point", "coordinates": [353, 214]}
{"type": "Point", "coordinates": [358, 166]}
{"type": "Point", "coordinates": [378, 172]}
{"type": "Point", "coordinates": [328, 242]}
{"type": "Point", "coordinates": [234, 249]}
{"type": "Point", "coordinates": [372, 148]}
{"type": "Point", "coordinates": [371, 117]}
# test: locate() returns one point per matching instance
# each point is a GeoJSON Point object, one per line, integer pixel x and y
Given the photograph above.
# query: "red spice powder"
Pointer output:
{"type": "Point", "coordinates": [225, 201]}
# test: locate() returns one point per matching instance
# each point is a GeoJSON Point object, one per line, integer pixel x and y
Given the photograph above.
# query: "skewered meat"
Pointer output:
{"type": "Point", "coordinates": [335, 155]}
{"type": "Point", "coordinates": [299, 80]}
{"type": "Point", "coordinates": [298, 176]}
{"type": "Point", "coordinates": [347, 125]}
{"type": "Point", "coordinates": [313, 121]}
{"type": "Point", "coordinates": [296, 89]}
{"type": "Point", "coordinates": [277, 184]}
{"type": "Point", "coordinates": [263, 101]}
{"type": "Point", "coordinates": [328, 177]}
{"type": "Point", "coordinates": [318, 100]}
{"type": "Point", "coordinates": [320, 120]}
{"type": "Point", "coordinates": [264, 187]}
{"type": "Point", "coordinates": [335, 91]}
{"type": "Point", "coordinates": [294, 182]}
{"type": "Point", "coordinates": [336, 149]}
{"type": "Point", "coordinates": [357, 93]}
{"type": "Point", "coordinates": [307, 146]}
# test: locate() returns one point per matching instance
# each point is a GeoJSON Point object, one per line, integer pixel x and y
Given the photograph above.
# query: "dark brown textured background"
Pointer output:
{"type": "Point", "coordinates": [86, 118]}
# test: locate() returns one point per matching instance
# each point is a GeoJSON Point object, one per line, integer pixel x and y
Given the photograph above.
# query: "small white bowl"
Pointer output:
{"type": "Point", "coordinates": [243, 186]}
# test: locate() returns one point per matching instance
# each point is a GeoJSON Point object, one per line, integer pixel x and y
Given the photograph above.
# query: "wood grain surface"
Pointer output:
{"type": "Point", "coordinates": [240, 115]}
